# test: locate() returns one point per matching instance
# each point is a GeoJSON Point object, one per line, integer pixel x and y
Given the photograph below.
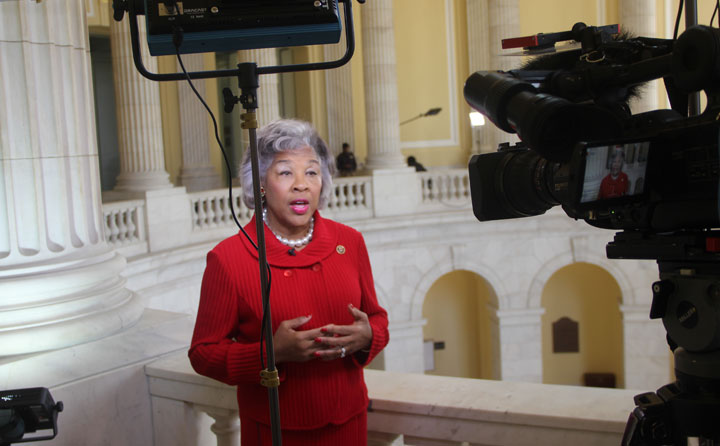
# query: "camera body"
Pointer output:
{"type": "Point", "coordinates": [574, 124]}
{"type": "Point", "coordinates": [653, 176]}
{"type": "Point", "coordinates": [26, 411]}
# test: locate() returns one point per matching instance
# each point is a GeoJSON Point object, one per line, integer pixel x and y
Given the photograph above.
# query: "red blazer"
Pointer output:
{"type": "Point", "coordinates": [332, 271]}
{"type": "Point", "coordinates": [610, 188]}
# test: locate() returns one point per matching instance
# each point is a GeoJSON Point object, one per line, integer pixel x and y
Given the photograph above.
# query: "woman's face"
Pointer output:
{"type": "Point", "coordinates": [616, 165]}
{"type": "Point", "coordinates": [292, 191]}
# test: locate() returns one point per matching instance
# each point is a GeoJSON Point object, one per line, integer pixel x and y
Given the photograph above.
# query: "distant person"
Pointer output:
{"type": "Point", "coordinates": [345, 161]}
{"type": "Point", "coordinates": [412, 162]}
{"type": "Point", "coordinates": [616, 183]}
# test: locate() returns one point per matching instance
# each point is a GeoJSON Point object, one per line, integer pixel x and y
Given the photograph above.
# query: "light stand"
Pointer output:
{"type": "Point", "coordinates": [691, 20]}
{"type": "Point", "coordinates": [247, 74]}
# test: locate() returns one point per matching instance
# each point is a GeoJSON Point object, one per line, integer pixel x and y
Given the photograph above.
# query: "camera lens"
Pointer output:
{"type": "Point", "coordinates": [515, 183]}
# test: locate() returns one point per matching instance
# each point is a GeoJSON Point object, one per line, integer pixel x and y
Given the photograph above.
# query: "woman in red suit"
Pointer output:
{"type": "Point", "coordinates": [615, 183]}
{"type": "Point", "coordinates": [326, 320]}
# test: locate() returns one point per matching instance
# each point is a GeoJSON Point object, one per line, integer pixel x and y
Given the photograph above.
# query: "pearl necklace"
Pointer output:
{"type": "Point", "coordinates": [292, 243]}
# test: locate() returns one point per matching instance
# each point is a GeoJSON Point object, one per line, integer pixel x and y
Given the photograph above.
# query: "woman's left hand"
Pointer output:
{"type": "Point", "coordinates": [344, 340]}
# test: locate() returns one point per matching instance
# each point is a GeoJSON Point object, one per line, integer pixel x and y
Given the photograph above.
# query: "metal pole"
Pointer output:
{"type": "Point", "coordinates": [248, 82]}
{"type": "Point", "coordinates": [692, 20]}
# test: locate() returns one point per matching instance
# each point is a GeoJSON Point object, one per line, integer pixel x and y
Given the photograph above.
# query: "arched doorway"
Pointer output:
{"type": "Point", "coordinates": [582, 329]}
{"type": "Point", "coordinates": [461, 312]}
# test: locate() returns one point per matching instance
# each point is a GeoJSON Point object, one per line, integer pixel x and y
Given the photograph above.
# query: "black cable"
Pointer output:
{"type": "Point", "coordinates": [177, 40]}
{"type": "Point", "coordinates": [715, 11]}
{"type": "Point", "coordinates": [677, 19]}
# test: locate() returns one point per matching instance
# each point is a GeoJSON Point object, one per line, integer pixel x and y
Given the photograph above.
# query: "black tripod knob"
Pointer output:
{"type": "Point", "coordinates": [662, 290]}
{"type": "Point", "coordinates": [119, 8]}
{"type": "Point", "coordinates": [230, 100]}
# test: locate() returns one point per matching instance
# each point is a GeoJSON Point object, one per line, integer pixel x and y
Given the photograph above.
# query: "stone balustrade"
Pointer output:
{"type": "Point", "coordinates": [125, 226]}
{"type": "Point", "coordinates": [416, 409]}
{"type": "Point", "coordinates": [351, 198]}
{"type": "Point", "coordinates": [444, 188]}
{"type": "Point", "coordinates": [211, 209]}
{"type": "Point", "coordinates": [136, 227]}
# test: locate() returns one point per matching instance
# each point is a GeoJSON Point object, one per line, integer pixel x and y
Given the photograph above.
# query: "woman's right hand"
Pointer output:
{"type": "Point", "coordinates": [293, 345]}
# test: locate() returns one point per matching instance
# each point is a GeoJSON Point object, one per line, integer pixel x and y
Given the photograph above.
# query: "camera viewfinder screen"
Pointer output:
{"type": "Point", "coordinates": [615, 171]}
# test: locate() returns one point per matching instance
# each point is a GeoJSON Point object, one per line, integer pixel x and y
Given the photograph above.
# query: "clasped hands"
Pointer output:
{"type": "Point", "coordinates": [294, 345]}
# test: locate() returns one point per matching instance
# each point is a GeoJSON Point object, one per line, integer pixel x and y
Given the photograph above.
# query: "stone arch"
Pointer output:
{"type": "Point", "coordinates": [447, 266]}
{"type": "Point", "coordinates": [551, 266]}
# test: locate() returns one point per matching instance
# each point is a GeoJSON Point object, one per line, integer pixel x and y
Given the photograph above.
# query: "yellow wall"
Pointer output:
{"type": "Point", "coordinates": [456, 310]}
{"type": "Point", "coordinates": [590, 296]}
{"type": "Point", "coordinates": [424, 44]}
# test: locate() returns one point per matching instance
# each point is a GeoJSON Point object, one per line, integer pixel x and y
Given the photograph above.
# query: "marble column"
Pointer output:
{"type": "Point", "coordinates": [339, 100]}
{"type": "Point", "coordinates": [646, 352]}
{"type": "Point", "coordinates": [196, 173]}
{"type": "Point", "coordinates": [404, 352]}
{"type": "Point", "coordinates": [488, 22]}
{"type": "Point", "coordinates": [638, 17]}
{"type": "Point", "coordinates": [521, 344]}
{"type": "Point", "coordinates": [142, 160]}
{"type": "Point", "coordinates": [380, 79]}
{"type": "Point", "coordinates": [60, 282]}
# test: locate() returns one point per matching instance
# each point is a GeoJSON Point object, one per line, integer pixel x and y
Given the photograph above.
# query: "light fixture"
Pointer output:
{"type": "Point", "coordinates": [476, 119]}
{"type": "Point", "coordinates": [432, 112]}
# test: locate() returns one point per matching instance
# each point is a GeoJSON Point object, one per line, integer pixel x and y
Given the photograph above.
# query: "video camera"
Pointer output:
{"type": "Point", "coordinates": [574, 120]}
{"type": "Point", "coordinates": [27, 411]}
{"type": "Point", "coordinates": [653, 175]}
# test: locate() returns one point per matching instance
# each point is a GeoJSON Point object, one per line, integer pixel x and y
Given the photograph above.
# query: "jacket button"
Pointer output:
{"type": "Point", "coordinates": [287, 273]}
{"type": "Point", "coordinates": [316, 267]}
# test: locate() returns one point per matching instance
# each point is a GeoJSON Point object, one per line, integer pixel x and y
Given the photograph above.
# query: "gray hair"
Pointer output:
{"type": "Point", "coordinates": [285, 135]}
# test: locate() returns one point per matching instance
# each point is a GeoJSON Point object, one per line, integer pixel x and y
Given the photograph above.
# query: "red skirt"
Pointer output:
{"type": "Point", "coordinates": [351, 433]}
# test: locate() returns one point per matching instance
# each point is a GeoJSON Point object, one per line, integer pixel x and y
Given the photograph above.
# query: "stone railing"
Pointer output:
{"type": "Point", "coordinates": [445, 188]}
{"type": "Point", "coordinates": [125, 226]}
{"type": "Point", "coordinates": [415, 409]}
{"type": "Point", "coordinates": [211, 209]}
{"type": "Point", "coordinates": [136, 227]}
{"type": "Point", "coordinates": [351, 198]}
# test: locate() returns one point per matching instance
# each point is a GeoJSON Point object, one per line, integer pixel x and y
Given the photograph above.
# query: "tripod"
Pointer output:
{"type": "Point", "coordinates": [687, 298]}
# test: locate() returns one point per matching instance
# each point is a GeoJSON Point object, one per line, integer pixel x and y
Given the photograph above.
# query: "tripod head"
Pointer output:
{"type": "Point", "coordinates": [687, 298]}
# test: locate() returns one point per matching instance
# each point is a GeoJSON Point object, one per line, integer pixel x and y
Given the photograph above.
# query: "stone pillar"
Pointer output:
{"type": "Point", "coordinates": [60, 282]}
{"type": "Point", "coordinates": [381, 99]}
{"type": "Point", "coordinates": [521, 344]}
{"type": "Point", "coordinates": [646, 352]}
{"type": "Point", "coordinates": [404, 352]}
{"type": "Point", "coordinates": [338, 82]}
{"type": "Point", "coordinates": [488, 22]}
{"type": "Point", "coordinates": [142, 160]}
{"type": "Point", "coordinates": [197, 173]}
{"type": "Point", "coordinates": [638, 17]}
{"type": "Point", "coordinates": [396, 187]}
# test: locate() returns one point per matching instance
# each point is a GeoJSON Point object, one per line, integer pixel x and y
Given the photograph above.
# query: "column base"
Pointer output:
{"type": "Point", "coordinates": [50, 305]}
{"type": "Point", "coordinates": [385, 162]}
{"type": "Point", "coordinates": [142, 181]}
{"type": "Point", "coordinates": [199, 178]}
